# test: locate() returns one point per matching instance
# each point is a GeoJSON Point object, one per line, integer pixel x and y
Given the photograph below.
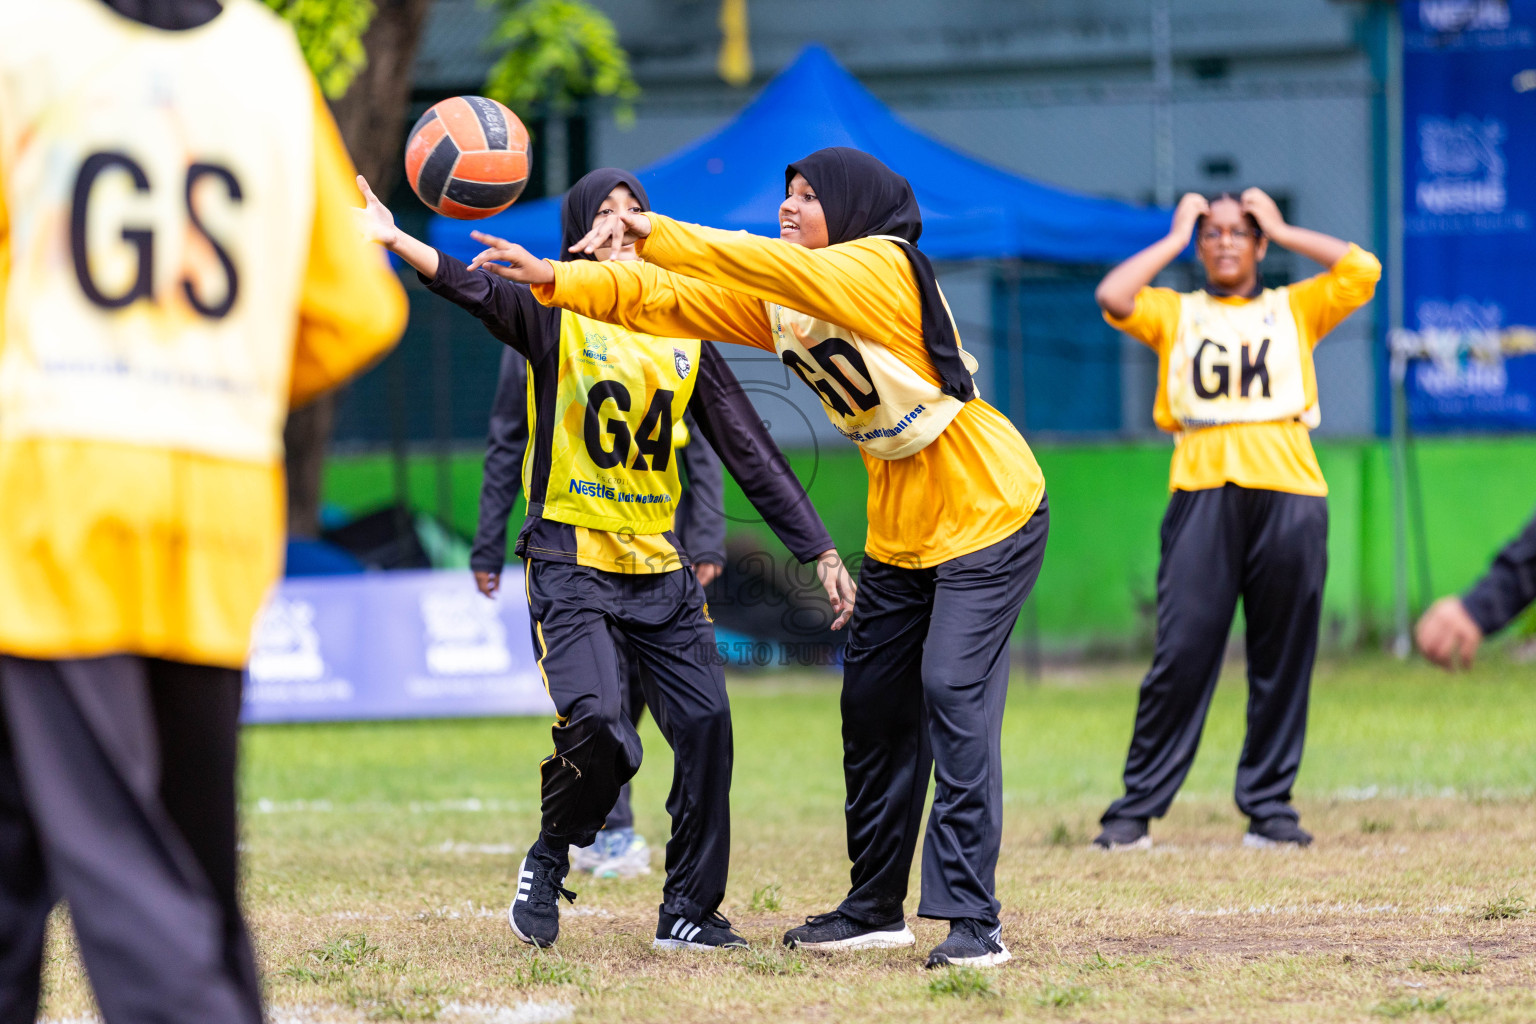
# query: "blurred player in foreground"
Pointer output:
{"type": "Point", "coordinates": [1248, 513]}
{"type": "Point", "coordinates": [600, 557]}
{"type": "Point", "coordinates": [618, 851]}
{"type": "Point", "coordinates": [179, 267]}
{"type": "Point", "coordinates": [1453, 628]}
{"type": "Point", "coordinates": [957, 513]}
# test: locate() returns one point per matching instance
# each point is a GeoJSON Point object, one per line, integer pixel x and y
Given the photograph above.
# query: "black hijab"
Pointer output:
{"type": "Point", "coordinates": [860, 196]}
{"type": "Point", "coordinates": [170, 15]}
{"type": "Point", "coordinates": [583, 201]}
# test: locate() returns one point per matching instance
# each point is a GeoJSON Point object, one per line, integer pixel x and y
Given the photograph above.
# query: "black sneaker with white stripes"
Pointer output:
{"type": "Point", "coordinates": [535, 913]}
{"type": "Point", "coordinates": [836, 931]}
{"type": "Point", "coordinates": [970, 944]}
{"type": "Point", "coordinates": [674, 931]}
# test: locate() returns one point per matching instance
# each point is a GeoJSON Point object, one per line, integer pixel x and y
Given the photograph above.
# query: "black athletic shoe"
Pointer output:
{"type": "Point", "coordinates": [1279, 831]}
{"type": "Point", "coordinates": [1124, 834]}
{"type": "Point", "coordinates": [839, 931]}
{"type": "Point", "coordinates": [970, 944]}
{"type": "Point", "coordinates": [674, 931]}
{"type": "Point", "coordinates": [535, 914]}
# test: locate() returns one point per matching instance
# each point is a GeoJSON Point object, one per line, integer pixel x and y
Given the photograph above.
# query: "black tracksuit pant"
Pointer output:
{"type": "Point", "coordinates": [925, 678]}
{"type": "Point", "coordinates": [1271, 549]}
{"type": "Point", "coordinates": [662, 617]}
{"type": "Point", "coordinates": [633, 691]}
{"type": "Point", "coordinates": [117, 794]}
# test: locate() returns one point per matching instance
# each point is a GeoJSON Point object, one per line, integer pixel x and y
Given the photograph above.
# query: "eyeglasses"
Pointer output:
{"type": "Point", "coordinates": [1214, 235]}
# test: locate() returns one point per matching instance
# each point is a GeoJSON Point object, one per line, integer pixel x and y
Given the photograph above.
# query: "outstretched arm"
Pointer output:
{"type": "Point", "coordinates": [1116, 294]}
{"type": "Point", "coordinates": [378, 225]}
{"type": "Point", "coordinates": [729, 422]}
{"type": "Point", "coordinates": [507, 310]}
{"type": "Point", "coordinates": [636, 295]}
{"type": "Point", "coordinates": [701, 511]}
{"type": "Point", "coordinates": [864, 285]}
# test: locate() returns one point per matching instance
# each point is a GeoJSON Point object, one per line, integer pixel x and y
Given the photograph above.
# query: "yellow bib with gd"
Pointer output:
{"type": "Point", "coordinates": [1240, 363]}
{"type": "Point", "coordinates": [612, 463]}
{"type": "Point", "coordinates": [870, 396]}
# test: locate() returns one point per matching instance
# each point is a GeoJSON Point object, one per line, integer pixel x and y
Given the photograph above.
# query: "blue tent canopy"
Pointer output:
{"type": "Point", "coordinates": [734, 179]}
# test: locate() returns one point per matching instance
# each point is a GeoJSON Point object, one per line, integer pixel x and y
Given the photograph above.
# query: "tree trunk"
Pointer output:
{"type": "Point", "coordinates": [371, 117]}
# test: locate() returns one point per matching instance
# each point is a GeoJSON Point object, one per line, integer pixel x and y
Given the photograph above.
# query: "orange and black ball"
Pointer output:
{"type": "Point", "coordinates": [467, 157]}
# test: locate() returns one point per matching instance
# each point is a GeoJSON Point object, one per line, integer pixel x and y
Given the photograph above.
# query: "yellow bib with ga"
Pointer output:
{"type": "Point", "coordinates": [871, 397]}
{"type": "Point", "coordinates": [151, 291]}
{"type": "Point", "coordinates": [612, 462]}
{"type": "Point", "coordinates": [1239, 363]}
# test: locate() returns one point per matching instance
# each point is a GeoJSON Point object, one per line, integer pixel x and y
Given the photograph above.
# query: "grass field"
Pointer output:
{"type": "Point", "coordinates": [379, 858]}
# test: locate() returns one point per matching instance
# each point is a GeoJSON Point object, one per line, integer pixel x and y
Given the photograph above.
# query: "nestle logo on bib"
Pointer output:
{"type": "Point", "coordinates": [595, 347]}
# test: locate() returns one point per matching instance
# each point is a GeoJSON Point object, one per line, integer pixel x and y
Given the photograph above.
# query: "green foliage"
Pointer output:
{"type": "Point", "coordinates": [1469, 964]}
{"type": "Point", "coordinates": [1505, 907]}
{"type": "Point", "coordinates": [962, 983]}
{"type": "Point", "coordinates": [345, 951]}
{"type": "Point", "coordinates": [777, 961]}
{"type": "Point", "coordinates": [1410, 1005]}
{"type": "Point", "coordinates": [322, 963]}
{"type": "Point", "coordinates": [331, 37]}
{"type": "Point", "coordinates": [546, 968]}
{"type": "Point", "coordinates": [1063, 996]}
{"type": "Point", "coordinates": [558, 52]}
{"type": "Point", "coordinates": [1375, 826]}
{"type": "Point", "coordinates": [767, 898]}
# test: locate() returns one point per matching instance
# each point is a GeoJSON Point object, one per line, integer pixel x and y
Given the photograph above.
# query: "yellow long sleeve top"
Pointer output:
{"type": "Point", "coordinates": [142, 506]}
{"type": "Point", "coordinates": [975, 484]}
{"type": "Point", "coordinates": [1275, 455]}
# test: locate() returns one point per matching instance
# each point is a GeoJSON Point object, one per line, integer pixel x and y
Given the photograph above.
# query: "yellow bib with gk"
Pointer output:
{"type": "Point", "coordinates": [1240, 363]}
{"type": "Point", "coordinates": [618, 408]}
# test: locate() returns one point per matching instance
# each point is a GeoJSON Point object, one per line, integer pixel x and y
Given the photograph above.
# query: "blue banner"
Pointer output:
{"type": "Point", "coordinates": [1469, 216]}
{"type": "Point", "coordinates": [393, 645]}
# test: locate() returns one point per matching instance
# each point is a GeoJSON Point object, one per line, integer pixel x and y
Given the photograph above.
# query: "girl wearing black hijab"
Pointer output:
{"type": "Point", "coordinates": [601, 558]}
{"type": "Point", "coordinates": [957, 512]}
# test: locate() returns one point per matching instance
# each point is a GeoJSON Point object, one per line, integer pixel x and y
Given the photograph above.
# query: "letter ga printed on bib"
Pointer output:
{"type": "Point", "coordinates": [1239, 363]}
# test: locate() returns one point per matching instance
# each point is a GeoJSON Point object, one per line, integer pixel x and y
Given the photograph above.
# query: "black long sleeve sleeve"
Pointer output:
{"type": "Point", "coordinates": [731, 425]}
{"type": "Point", "coordinates": [1509, 587]}
{"type": "Point", "coordinates": [505, 443]}
{"type": "Point", "coordinates": [700, 524]}
{"type": "Point", "coordinates": [509, 311]}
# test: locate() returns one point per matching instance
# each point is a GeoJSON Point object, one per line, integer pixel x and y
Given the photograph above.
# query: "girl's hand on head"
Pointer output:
{"type": "Point", "coordinates": [1257, 203]}
{"type": "Point", "coordinates": [510, 260]}
{"type": "Point", "coordinates": [374, 220]}
{"type": "Point", "coordinates": [1192, 206]}
{"type": "Point", "coordinates": [839, 586]}
{"type": "Point", "coordinates": [613, 233]}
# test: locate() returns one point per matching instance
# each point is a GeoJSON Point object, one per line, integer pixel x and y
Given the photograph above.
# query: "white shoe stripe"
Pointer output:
{"type": "Point", "coordinates": [676, 925]}
{"type": "Point", "coordinates": [693, 931]}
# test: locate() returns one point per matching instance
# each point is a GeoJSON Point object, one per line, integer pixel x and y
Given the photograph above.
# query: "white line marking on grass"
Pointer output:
{"type": "Point", "coordinates": [1296, 909]}
{"type": "Point", "coordinates": [494, 849]}
{"type": "Point", "coordinates": [529, 1012]}
{"type": "Point", "coordinates": [468, 805]}
{"type": "Point", "coordinates": [526, 1012]}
